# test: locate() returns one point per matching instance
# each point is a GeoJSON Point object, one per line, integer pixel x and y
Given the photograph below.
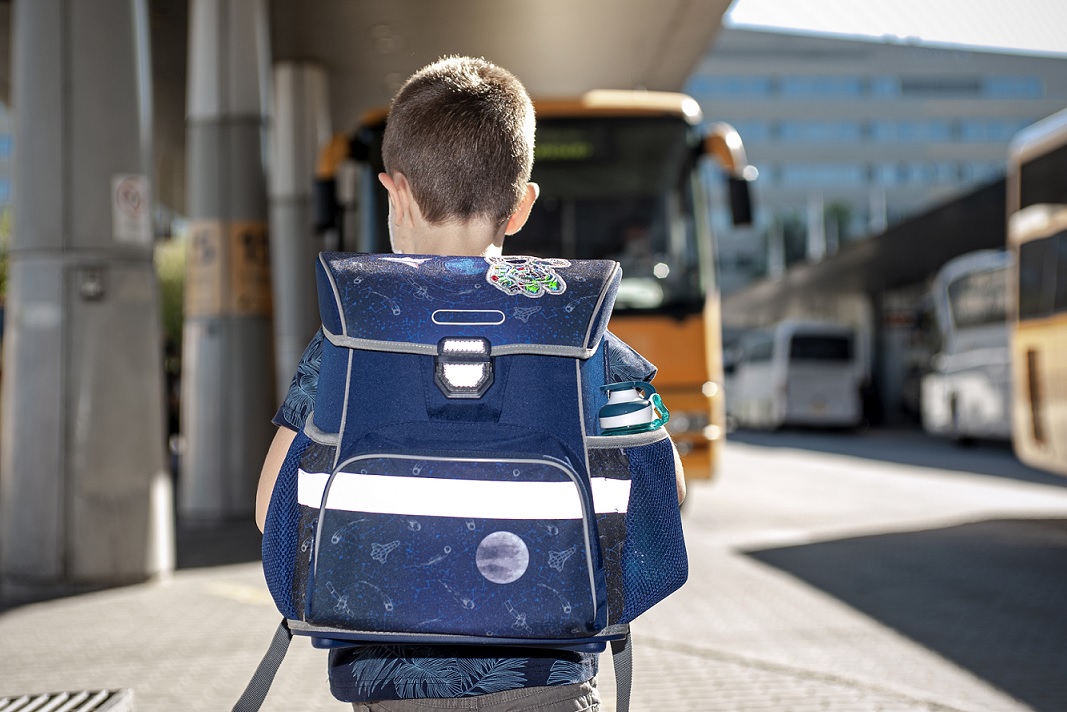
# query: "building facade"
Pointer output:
{"type": "Point", "coordinates": [852, 136]}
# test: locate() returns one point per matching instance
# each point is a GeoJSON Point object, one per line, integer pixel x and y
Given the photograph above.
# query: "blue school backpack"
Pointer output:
{"type": "Point", "coordinates": [455, 483]}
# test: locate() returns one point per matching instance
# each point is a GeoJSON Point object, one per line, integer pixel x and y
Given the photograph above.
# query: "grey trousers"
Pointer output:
{"type": "Point", "coordinates": [582, 697]}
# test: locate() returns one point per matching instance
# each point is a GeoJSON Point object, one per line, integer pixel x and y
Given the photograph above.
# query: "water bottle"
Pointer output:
{"type": "Point", "coordinates": [633, 407]}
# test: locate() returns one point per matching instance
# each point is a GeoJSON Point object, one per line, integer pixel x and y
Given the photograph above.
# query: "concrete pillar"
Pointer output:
{"type": "Point", "coordinates": [84, 495]}
{"type": "Point", "coordinates": [227, 366]}
{"type": "Point", "coordinates": [816, 227]}
{"type": "Point", "coordinates": [301, 125]}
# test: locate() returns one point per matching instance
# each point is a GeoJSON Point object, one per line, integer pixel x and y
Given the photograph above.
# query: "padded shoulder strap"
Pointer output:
{"type": "Point", "coordinates": [408, 303]}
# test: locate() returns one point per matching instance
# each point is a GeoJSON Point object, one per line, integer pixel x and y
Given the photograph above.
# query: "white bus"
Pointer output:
{"type": "Point", "coordinates": [798, 373]}
{"type": "Point", "coordinates": [967, 394]}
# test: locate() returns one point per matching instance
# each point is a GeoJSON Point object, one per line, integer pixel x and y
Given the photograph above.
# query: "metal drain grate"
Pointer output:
{"type": "Point", "coordinates": [80, 701]}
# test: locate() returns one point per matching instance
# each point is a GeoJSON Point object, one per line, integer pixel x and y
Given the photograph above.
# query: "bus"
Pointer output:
{"type": "Point", "coordinates": [967, 393]}
{"type": "Point", "coordinates": [623, 176]}
{"type": "Point", "coordinates": [798, 373]}
{"type": "Point", "coordinates": [1037, 238]}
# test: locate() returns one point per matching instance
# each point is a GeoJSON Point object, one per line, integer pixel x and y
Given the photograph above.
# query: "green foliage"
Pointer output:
{"type": "Point", "coordinates": [170, 268]}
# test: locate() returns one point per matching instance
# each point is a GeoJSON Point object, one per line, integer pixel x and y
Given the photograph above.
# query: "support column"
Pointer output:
{"type": "Point", "coordinates": [85, 498]}
{"type": "Point", "coordinates": [301, 126]}
{"type": "Point", "coordinates": [228, 393]}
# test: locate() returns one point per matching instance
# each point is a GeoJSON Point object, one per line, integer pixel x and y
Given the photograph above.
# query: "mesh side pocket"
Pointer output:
{"type": "Point", "coordinates": [281, 528]}
{"type": "Point", "coordinates": [654, 562]}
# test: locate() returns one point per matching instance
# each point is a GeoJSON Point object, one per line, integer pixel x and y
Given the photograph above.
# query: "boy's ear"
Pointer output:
{"type": "Point", "coordinates": [519, 217]}
{"type": "Point", "coordinates": [400, 198]}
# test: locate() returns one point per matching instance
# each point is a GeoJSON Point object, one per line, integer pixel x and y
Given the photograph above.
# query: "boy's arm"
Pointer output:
{"type": "Point", "coordinates": [272, 465]}
{"type": "Point", "coordinates": [679, 475]}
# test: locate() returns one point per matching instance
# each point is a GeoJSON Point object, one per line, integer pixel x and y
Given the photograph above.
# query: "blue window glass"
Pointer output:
{"type": "Point", "coordinates": [5, 145]}
{"type": "Point", "coordinates": [1014, 88]}
{"type": "Point", "coordinates": [5, 190]}
{"type": "Point", "coordinates": [819, 131]}
{"type": "Point", "coordinates": [821, 87]}
{"type": "Point", "coordinates": [823, 174]}
{"type": "Point", "coordinates": [991, 130]}
{"type": "Point", "coordinates": [734, 87]}
{"type": "Point", "coordinates": [911, 131]}
{"type": "Point", "coordinates": [887, 87]}
{"type": "Point", "coordinates": [752, 131]}
{"type": "Point", "coordinates": [886, 174]}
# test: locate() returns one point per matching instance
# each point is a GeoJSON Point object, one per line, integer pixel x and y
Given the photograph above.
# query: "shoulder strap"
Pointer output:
{"type": "Point", "coordinates": [256, 691]}
{"type": "Point", "coordinates": [622, 658]}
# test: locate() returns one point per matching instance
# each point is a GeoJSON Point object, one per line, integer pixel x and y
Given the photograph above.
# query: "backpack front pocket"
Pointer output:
{"type": "Point", "coordinates": [500, 548]}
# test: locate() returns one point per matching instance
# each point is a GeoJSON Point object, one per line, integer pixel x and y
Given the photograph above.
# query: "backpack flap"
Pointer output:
{"type": "Point", "coordinates": [409, 303]}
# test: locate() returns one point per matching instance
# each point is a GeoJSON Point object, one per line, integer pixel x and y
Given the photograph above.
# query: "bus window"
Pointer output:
{"type": "Point", "coordinates": [820, 348]}
{"type": "Point", "coordinates": [1037, 278]}
{"type": "Point", "coordinates": [1043, 180]}
{"type": "Point", "coordinates": [1059, 303]}
{"type": "Point", "coordinates": [978, 299]}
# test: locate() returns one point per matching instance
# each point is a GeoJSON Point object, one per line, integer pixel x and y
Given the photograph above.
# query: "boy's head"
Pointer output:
{"type": "Point", "coordinates": [460, 135]}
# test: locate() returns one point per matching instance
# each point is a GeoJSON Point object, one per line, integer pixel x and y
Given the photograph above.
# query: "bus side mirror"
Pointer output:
{"type": "Point", "coordinates": [724, 144]}
{"type": "Point", "coordinates": [740, 200]}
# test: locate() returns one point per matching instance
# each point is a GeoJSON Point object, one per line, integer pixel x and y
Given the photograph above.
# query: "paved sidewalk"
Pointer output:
{"type": "Point", "coordinates": [746, 634]}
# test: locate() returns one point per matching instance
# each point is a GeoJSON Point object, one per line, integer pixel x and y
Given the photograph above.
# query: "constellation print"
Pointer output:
{"type": "Point", "coordinates": [471, 526]}
{"type": "Point", "coordinates": [387, 603]}
{"type": "Point", "coordinates": [340, 603]}
{"type": "Point", "coordinates": [340, 533]}
{"type": "Point", "coordinates": [564, 603]}
{"type": "Point", "coordinates": [386, 301]}
{"type": "Point", "coordinates": [520, 618]}
{"type": "Point", "coordinates": [573, 304]}
{"type": "Point", "coordinates": [413, 525]}
{"type": "Point", "coordinates": [556, 559]}
{"type": "Point", "coordinates": [460, 598]}
{"type": "Point", "coordinates": [380, 552]}
{"type": "Point", "coordinates": [552, 529]}
{"type": "Point", "coordinates": [439, 558]}
{"type": "Point", "coordinates": [523, 314]}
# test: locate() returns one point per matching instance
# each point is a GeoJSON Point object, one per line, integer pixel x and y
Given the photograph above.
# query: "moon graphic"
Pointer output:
{"type": "Point", "coordinates": [502, 557]}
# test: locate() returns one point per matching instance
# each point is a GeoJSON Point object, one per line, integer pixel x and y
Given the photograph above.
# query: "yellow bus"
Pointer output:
{"type": "Point", "coordinates": [622, 177]}
{"type": "Point", "coordinates": [1037, 235]}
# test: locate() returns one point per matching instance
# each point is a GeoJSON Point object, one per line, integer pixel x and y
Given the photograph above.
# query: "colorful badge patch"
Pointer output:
{"type": "Point", "coordinates": [530, 276]}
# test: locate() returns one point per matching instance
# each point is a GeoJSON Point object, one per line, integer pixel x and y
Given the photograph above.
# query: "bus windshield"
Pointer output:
{"type": "Point", "coordinates": [979, 299]}
{"type": "Point", "coordinates": [619, 188]}
{"type": "Point", "coordinates": [820, 348]}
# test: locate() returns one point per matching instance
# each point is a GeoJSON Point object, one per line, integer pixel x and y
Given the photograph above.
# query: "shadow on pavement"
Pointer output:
{"type": "Point", "coordinates": [988, 596]}
{"type": "Point", "coordinates": [217, 544]}
{"type": "Point", "coordinates": [906, 447]}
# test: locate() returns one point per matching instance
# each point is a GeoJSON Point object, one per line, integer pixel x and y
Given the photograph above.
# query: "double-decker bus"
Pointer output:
{"type": "Point", "coordinates": [1037, 235]}
{"type": "Point", "coordinates": [622, 177]}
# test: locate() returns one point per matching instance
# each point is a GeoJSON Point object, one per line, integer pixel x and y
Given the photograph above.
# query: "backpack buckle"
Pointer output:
{"type": "Point", "coordinates": [463, 367]}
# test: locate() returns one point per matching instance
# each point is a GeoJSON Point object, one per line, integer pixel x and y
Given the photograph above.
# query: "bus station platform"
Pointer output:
{"type": "Point", "coordinates": [827, 572]}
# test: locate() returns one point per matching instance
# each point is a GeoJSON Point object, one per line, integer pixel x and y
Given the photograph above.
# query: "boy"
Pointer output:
{"type": "Point", "coordinates": [458, 151]}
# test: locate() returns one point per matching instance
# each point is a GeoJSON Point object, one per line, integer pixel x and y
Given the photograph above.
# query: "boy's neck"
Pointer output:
{"type": "Point", "coordinates": [473, 239]}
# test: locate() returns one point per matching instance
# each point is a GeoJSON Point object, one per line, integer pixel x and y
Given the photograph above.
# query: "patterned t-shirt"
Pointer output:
{"type": "Point", "coordinates": [395, 672]}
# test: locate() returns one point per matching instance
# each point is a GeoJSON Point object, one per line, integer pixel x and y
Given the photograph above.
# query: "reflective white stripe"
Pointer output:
{"type": "Point", "coordinates": [425, 496]}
